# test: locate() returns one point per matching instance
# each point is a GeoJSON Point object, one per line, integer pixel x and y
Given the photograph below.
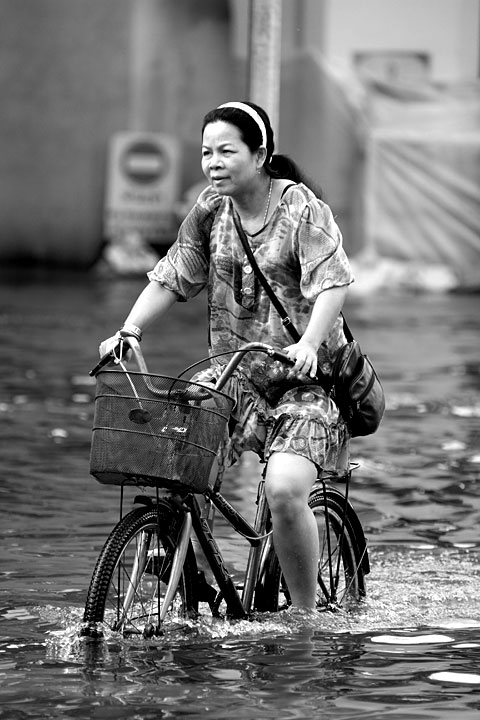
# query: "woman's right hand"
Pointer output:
{"type": "Point", "coordinates": [109, 344]}
{"type": "Point", "coordinates": [113, 349]}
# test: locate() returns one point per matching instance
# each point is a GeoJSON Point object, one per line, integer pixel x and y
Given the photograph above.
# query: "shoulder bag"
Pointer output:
{"type": "Point", "coordinates": [354, 384]}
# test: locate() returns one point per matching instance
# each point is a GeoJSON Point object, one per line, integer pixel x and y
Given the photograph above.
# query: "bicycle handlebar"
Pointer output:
{"type": "Point", "coordinates": [119, 351]}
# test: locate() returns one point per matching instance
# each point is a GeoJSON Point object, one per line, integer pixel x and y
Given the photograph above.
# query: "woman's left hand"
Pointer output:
{"type": "Point", "coordinates": [305, 356]}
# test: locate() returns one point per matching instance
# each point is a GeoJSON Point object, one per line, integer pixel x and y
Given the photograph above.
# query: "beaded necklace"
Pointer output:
{"type": "Point", "coordinates": [268, 203]}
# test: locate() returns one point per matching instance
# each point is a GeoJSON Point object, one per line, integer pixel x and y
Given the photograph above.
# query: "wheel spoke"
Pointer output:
{"type": "Point", "coordinates": [134, 571]}
{"type": "Point", "coordinates": [343, 556]}
{"type": "Point", "coordinates": [133, 579]}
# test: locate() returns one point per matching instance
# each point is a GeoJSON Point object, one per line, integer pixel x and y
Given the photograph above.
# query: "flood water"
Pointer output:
{"type": "Point", "coordinates": [412, 650]}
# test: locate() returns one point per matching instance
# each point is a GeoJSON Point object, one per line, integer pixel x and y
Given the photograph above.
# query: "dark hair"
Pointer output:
{"type": "Point", "coordinates": [276, 165]}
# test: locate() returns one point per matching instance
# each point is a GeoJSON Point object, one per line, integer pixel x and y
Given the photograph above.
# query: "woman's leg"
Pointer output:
{"type": "Point", "coordinates": [288, 481]}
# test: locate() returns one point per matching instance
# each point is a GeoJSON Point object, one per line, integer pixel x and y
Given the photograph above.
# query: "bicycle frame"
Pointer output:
{"type": "Point", "coordinates": [238, 606]}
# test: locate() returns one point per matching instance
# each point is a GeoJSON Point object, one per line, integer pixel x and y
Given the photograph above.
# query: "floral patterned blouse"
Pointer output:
{"type": "Point", "coordinates": [299, 251]}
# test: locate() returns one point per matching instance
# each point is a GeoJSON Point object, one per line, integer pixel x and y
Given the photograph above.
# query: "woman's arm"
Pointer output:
{"type": "Point", "coordinates": [324, 313]}
{"type": "Point", "coordinates": [152, 303]}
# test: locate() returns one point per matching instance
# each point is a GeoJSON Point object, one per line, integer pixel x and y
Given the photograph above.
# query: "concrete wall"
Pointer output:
{"type": "Point", "coordinates": [63, 90]}
{"type": "Point", "coordinates": [446, 30]}
{"type": "Point", "coordinates": [72, 72]}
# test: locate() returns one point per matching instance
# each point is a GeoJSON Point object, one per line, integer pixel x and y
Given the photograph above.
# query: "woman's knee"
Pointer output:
{"type": "Point", "coordinates": [288, 481]}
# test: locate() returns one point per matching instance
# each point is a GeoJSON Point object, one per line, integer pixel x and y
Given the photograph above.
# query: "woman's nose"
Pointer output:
{"type": "Point", "coordinates": [215, 160]}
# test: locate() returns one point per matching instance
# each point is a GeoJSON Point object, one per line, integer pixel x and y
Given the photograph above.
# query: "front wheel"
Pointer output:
{"type": "Point", "coordinates": [132, 574]}
{"type": "Point", "coordinates": [343, 561]}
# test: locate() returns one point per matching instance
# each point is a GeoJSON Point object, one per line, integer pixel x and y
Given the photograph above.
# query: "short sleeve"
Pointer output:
{"type": "Point", "coordinates": [184, 269]}
{"type": "Point", "coordinates": [319, 247]}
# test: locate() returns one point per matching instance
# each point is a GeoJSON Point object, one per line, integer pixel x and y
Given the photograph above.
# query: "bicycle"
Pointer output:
{"type": "Point", "coordinates": [162, 434]}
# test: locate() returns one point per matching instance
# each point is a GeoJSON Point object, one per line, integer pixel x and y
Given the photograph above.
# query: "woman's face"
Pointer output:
{"type": "Point", "coordinates": [227, 162]}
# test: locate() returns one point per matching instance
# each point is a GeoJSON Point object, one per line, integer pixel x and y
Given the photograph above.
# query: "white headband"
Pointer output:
{"type": "Point", "coordinates": [253, 114]}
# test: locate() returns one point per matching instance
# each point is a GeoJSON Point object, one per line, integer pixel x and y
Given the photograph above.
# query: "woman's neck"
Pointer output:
{"type": "Point", "coordinates": [254, 207]}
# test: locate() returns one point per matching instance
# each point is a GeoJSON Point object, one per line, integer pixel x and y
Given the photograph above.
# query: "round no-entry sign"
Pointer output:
{"type": "Point", "coordinates": [144, 162]}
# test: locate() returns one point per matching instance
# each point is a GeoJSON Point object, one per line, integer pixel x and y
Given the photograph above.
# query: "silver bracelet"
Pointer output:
{"type": "Point", "coordinates": [131, 331]}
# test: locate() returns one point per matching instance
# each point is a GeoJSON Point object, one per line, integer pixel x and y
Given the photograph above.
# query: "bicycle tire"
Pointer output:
{"type": "Point", "coordinates": [131, 573]}
{"type": "Point", "coordinates": [341, 582]}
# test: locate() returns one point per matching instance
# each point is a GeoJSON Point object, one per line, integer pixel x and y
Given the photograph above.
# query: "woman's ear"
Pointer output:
{"type": "Point", "coordinates": [261, 156]}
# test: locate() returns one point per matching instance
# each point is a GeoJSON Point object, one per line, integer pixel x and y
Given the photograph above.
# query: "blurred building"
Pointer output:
{"type": "Point", "coordinates": [72, 74]}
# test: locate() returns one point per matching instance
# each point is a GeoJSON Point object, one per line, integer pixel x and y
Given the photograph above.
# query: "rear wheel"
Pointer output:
{"type": "Point", "coordinates": [343, 561]}
{"type": "Point", "coordinates": [128, 585]}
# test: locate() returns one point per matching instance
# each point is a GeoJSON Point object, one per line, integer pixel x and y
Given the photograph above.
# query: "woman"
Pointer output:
{"type": "Point", "coordinates": [281, 414]}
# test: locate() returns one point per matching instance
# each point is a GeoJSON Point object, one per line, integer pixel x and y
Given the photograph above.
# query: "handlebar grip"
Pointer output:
{"type": "Point", "coordinates": [283, 357]}
{"type": "Point", "coordinates": [118, 351]}
{"type": "Point", "coordinates": [101, 363]}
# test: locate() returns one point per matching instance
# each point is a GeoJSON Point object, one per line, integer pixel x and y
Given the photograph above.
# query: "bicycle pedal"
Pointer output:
{"type": "Point", "coordinates": [150, 631]}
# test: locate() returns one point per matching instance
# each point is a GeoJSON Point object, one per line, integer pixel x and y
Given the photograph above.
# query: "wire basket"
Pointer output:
{"type": "Point", "coordinates": [155, 430]}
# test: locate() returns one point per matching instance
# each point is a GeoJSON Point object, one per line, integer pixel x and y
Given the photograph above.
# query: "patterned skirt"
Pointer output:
{"type": "Point", "coordinates": [303, 421]}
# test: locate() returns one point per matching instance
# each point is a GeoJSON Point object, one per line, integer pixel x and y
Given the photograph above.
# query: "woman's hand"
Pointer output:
{"type": "Point", "coordinates": [109, 344]}
{"type": "Point", "coordinates": [324, 313]}
{"type": "Point", "coordinates": [305, 355]}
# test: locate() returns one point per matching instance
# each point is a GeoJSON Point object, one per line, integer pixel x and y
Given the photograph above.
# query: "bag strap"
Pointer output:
{"type": "Point", "coordinates": [323, 380]}
{"type": "Point", "coordinates": [347, 331]}
{"type": "Point", "coordinates": [263, 280]}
